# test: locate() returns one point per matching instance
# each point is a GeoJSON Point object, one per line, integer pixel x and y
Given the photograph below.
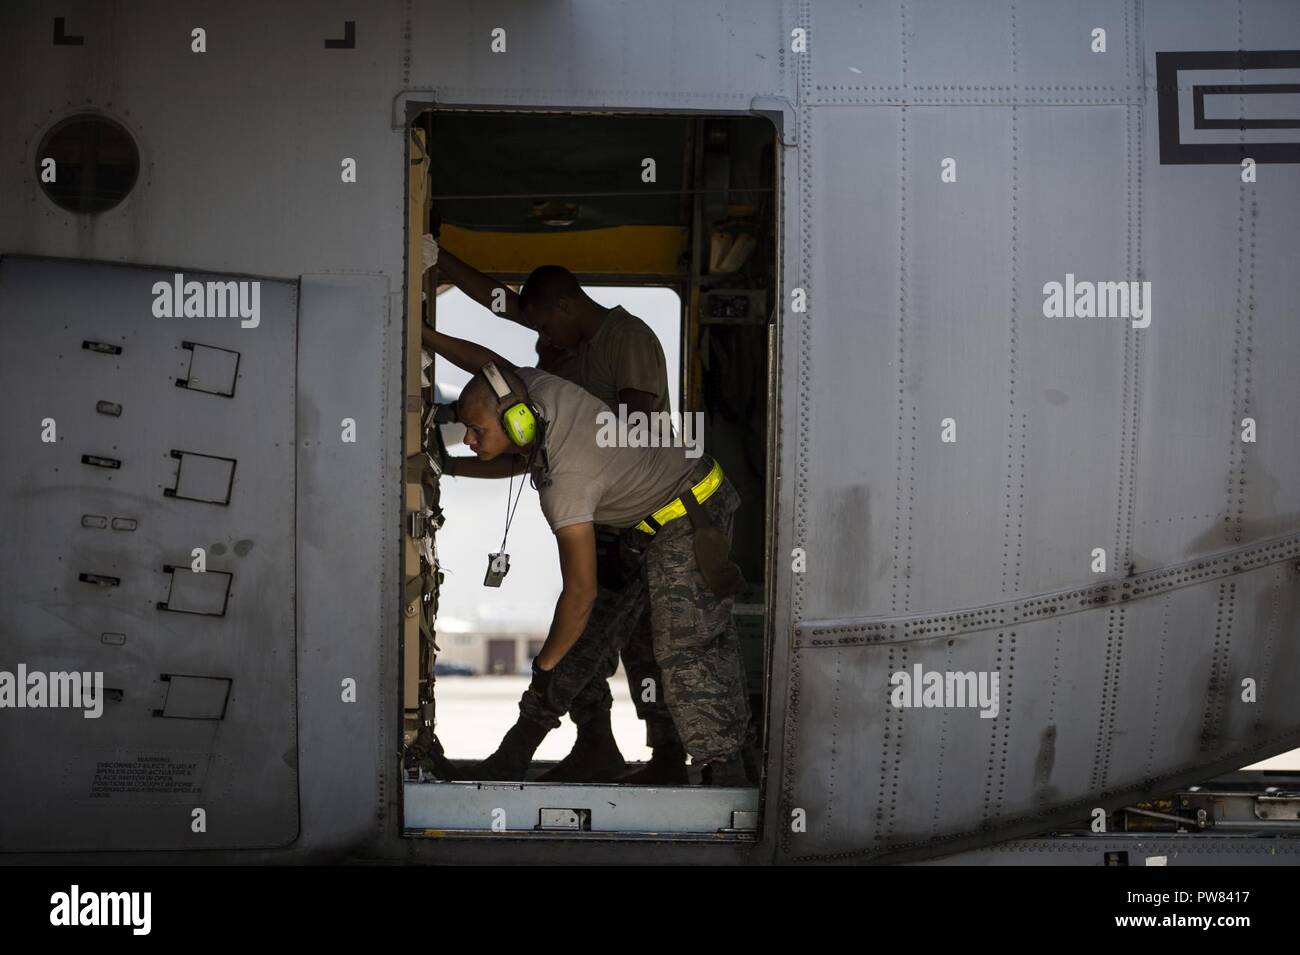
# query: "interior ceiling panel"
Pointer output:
{"type": "Point", "coordinates": [522, 158]}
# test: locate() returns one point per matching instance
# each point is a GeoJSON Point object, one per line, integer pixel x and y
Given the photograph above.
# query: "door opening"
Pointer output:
{"type": "Point", "coordinates": [673, 218]}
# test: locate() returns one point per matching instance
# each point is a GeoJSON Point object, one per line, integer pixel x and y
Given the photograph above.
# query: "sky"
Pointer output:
{"type": "Point", "coordinates": [474, 509]}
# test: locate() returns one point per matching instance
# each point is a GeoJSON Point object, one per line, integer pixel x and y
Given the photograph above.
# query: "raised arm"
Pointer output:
{"type": "Point", "coordinates": [465, 355]}
{"type": "Point", "coordinates": [497, 297]}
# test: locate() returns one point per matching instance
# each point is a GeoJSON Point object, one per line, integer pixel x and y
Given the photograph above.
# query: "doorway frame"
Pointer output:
{"type": "Point", "coordinates": [413, 106]}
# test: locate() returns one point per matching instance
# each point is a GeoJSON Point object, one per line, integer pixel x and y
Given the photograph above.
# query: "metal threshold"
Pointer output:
{"type": "Point", "coordinates": [438, 808]}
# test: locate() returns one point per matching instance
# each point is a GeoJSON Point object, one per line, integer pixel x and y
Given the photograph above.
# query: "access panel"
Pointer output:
{"type": "Point", "coordinates": [148, 492]}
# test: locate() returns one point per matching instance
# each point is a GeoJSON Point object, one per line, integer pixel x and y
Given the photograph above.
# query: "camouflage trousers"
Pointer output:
{"type": "Point", "coordinates": [681, 647]}
{"type": "Point", "coordinates": [696, 643]}
{"type": "Point", "coordinates": [619, 625]}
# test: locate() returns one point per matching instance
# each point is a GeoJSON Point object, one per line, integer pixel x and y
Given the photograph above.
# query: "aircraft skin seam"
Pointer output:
{"type": "Point", "coordinates": [799, 522]}
{"type": "Point", "coordinates": [812, 634]}
{"type": "Point", "coordinates": [1243, 329]}
{"type": "Point", "coordinates": [874, 854]}
{"type": "Point", "coordinates": [893, 720]}
{"type": "Point", "coordinates": [995, 792]}
{"type": "Point", "coordinates": [1216, 689]}
{"type": "Point", "coordinates": [1132, 359]}
{"type": "Point", "coordinates": [940, 750]}
{"type": "Point", "coordinates": [1158, 694]}
{"type": "Point", "coordinates": [516, 96]}
{"type": "Point", "coordinates": [902, 520]}
{"type": "Point", "coordinates": [1266, 671]}
{"type": "Point", "coordinates": [1249, 844]}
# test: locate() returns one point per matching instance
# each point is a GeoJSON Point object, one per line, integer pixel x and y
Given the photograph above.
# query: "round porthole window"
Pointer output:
{"type": "Point", "coordinates": [95, 163]}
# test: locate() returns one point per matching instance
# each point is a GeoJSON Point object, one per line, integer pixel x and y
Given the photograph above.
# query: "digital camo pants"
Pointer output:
{"type": "Point", "coordinates": [619, 623]}
{"type": "Point", "coordinates": [696, 643]}
{"type": "Point", "coordinates": [665, 608]}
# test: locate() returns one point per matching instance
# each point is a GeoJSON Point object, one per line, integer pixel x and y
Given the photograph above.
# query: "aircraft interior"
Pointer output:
{"type": "Point", "coordinates": [683, 202]}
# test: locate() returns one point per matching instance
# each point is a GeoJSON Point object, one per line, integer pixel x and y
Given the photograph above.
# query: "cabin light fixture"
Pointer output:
{"type": "Point", "coordinates": [558, 215]}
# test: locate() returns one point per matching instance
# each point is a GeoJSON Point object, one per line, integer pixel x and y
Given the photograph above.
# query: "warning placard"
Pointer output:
{"type": "Point", "coordinates": [149, 776]}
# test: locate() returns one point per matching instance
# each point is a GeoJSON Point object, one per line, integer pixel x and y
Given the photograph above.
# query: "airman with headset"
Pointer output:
{"type": "Point", "coordinates": [617, 357]}
{"type": "Point", "coordinates": [523, 419]}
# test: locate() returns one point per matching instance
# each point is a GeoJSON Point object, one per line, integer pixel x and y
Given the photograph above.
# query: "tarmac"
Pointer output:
{"type": "Point", "coordinates": [474, 712]}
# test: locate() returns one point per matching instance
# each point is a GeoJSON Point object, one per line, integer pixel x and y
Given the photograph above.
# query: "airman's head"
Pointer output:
{"type": "Point", "coordinates": [551, 301]}
{"type": "Point", "coordinates": [480, 411]}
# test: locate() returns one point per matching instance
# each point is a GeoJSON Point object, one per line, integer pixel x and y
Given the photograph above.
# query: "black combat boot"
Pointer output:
{"type": "Point", "coordinates": [726, 772]}
{"type": "Point", "coordinates": [510, 762]}
{"type": "Point", "coordinates": [595, 757]}
{"type": "Point", "coordinates": [667, 767]}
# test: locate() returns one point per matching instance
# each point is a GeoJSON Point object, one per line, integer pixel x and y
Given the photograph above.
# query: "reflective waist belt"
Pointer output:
{"type": "Point", "coordinates": [675, 508]}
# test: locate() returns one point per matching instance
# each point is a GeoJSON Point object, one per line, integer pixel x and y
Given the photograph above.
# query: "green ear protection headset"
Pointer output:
{"type": "Point", "coordinates": [517, 418]}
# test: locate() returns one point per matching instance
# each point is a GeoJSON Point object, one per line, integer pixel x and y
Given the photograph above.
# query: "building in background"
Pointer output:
{"type": "Point", "coordinates": [490, 653]}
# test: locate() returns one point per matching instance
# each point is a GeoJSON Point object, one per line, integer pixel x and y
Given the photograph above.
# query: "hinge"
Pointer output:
{"type": "Point", "coordinates": [569, 820]}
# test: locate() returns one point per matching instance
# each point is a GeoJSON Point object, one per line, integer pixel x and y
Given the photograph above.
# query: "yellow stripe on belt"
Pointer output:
{"type": "Point", "coordinates": [675, 508]}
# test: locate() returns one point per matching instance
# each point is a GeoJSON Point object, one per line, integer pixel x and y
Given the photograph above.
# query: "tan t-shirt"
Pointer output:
{"type": "Point", "coordinates": [624, 353]}
{"type": "Point", "coordinates": [606, 485]}
{"type": "Point", "coordinates": [562, 363]}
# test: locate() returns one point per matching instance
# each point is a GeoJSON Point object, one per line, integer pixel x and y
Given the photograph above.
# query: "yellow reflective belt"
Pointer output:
{"type": "Point", "coordinates": [675, 508]}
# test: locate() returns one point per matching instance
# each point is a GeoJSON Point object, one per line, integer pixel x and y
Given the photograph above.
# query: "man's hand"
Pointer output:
{"type": "Point", "coordinates": [541, 685]}
{"type": "Point", "coordinates": [445, 465]}
{"type": "Point", "coordinates": [445, 413]}
{"type": "Point", "coordinates": [429, 251]}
